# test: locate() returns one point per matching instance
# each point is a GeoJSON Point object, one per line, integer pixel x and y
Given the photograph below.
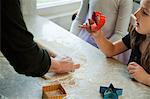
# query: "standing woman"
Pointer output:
{"type": "Point", "coordinates": [117, 14]}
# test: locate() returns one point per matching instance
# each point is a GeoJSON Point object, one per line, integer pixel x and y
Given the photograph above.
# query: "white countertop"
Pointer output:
{"type": "Point", "coordinates": [84, 83]}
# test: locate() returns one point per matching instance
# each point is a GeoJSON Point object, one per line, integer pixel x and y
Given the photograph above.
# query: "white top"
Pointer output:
{"type": "Point", "coordinates": [117, 14]}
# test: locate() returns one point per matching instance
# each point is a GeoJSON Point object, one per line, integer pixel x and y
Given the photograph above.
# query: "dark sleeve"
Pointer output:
{"type": "Point", "coordinates": [18, 45]}
{"type": "Point", "coordinates": [126, 41]}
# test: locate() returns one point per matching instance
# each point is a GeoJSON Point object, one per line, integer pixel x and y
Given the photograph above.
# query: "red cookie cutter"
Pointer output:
{"type": "Point", "coordinates": [99, 21]}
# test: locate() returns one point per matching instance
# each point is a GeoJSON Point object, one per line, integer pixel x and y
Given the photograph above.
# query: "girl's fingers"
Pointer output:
{"type": "Point", "coordinates": [85, 27]}
{"type": "Point", "coordinates": [88, 27]}
{"type": "Point", "coordinates": [91, 21]}
{"type": "Point", "coordinates": [131, 71]}
{"type": "Point", "coordinates": [131, 67]}
{"type": "Point", "coordinates": [82, 26]}
{"type": "Point", "coordinates": [133, 63]}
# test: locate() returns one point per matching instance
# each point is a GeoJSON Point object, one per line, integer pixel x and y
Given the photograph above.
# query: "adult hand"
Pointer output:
{"type": "Point", "coordinates": [63, 65]}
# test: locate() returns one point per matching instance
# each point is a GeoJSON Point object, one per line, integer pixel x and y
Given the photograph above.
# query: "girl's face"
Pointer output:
{"type": "Point", "coordinates": [143, 17]}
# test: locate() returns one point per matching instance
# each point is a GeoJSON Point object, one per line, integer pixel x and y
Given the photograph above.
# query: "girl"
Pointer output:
{"type": "Point", "coordinates": [138, 41]}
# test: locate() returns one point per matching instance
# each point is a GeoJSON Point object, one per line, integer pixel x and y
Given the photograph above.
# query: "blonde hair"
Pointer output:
{"type": "Point", "coordinates": [145, 57]}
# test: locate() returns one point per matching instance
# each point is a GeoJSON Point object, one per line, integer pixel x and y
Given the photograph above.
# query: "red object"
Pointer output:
{"type": "Point", "coordinates": [99, 21]}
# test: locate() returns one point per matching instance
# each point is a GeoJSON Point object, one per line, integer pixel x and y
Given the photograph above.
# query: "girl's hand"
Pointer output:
{"type": "Point", "coordinates": [88, 26]}
{"type": "Point", "coordinates": [94, 32]}
{"type": "Point", "coordinates": [95, 24]}
{"type": "Point", "coordinates": [138, 72]}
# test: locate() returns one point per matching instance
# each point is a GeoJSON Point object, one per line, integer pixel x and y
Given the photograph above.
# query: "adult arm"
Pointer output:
{"type": "Point", "coordinates": [17, 43]}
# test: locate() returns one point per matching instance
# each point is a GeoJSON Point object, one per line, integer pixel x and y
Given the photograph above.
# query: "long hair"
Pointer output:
{"type": "Point", "coordinates": [145, 57]}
